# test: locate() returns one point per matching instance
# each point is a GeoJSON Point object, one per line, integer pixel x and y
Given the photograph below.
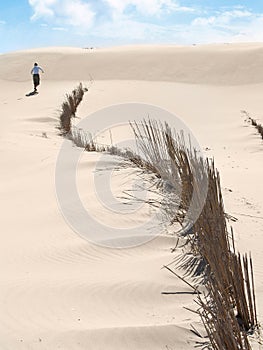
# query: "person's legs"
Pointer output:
{"type": "Point", "coordinates": [36, 81]}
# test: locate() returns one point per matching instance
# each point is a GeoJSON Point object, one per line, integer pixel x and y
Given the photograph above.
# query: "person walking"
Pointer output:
{"type": "Point", "coordinates": [36, 77]}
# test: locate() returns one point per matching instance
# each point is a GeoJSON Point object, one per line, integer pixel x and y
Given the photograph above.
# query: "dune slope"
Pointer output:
{"type": "Point", "coordinates": [210, 64]}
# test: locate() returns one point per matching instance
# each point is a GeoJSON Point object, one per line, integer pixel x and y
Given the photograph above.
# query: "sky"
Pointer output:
{"type": "Point", "coordinates": [98, 23]}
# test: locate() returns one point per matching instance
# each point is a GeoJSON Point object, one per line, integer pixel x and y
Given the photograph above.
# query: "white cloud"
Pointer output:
{"type": "Point", "coordinates": [128, 21]}
{"type": "Point", "coordinates": [238, 25]}
{"type": "Point", "coordinates": [69, 12]}
{"type": "Point", "coordinates": [60, 29]}
{"type": "Point", "coordinates": [2, 22]}
{"type": "Point", "coordinates": [42, 8]}
{"type": "Point", "coordinates": [124, 29]}
{"type": "Point", "coordinates": [251, 32]}
{"type": "Point", "coordinates": [203, 21]}
{"type": "Point", "coordinates": [145, 7]}
{"type": "Point", "coordinates": [223, 18]}
{"type": "Point", "coordinates": [78, 13]}
{"type": "Point", "coordinates": [231, 26]}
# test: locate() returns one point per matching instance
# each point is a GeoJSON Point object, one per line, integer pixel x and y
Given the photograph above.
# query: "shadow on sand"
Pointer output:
{"type": "Point", "coordinates": [32, 93]}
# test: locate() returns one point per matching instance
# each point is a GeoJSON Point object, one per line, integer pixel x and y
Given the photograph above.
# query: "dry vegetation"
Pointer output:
{"type": "Point", "coordinates": [259, 127]}
{"type": "Point", "coordinates": [69, 108]}
{"type": "Point", "coordinates": [228, 308]}
{"type": "Point", "coordinates": [194, 201]}
{"type": "Point", "coordinates": [254, 123]}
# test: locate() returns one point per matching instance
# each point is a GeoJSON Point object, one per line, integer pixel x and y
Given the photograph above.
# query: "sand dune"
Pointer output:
{"type": "Point", "coordinates": [59, 291]}
{"type": "Point", "coordinates": [229, 64]}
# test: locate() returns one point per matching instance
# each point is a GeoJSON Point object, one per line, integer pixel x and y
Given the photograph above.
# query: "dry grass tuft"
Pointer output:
{"type": "Point", "coordinates": [69, 108]}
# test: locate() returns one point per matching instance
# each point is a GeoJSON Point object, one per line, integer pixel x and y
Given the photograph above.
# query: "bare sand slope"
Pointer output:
{"type": "Point", "coordinates": [210, 64]}
{"type": "Point", "coordinates": [59, 291]}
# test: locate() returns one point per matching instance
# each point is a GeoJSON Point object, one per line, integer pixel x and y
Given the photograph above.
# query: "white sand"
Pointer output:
{"type": "Point", "coordinates": [59, 291]}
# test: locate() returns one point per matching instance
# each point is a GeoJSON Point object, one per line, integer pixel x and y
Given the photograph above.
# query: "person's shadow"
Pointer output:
{"type": "Point", "coordinates": [32, 93]}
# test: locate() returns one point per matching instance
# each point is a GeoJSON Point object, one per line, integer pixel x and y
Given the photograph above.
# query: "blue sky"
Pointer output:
{"type": "Point", "coordinates": [96, 23]}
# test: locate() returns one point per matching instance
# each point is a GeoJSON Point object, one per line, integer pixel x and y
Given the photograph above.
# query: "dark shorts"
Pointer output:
{"type": "Point", "coordinates": [36, 79]}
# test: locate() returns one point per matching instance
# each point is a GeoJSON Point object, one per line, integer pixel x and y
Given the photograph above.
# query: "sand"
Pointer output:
{"type": "Point", "coordinates": [59, 291]}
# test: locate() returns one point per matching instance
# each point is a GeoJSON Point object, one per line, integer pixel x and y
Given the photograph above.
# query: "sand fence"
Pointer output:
{"type": "Point", "coordinates": [227, 305]}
